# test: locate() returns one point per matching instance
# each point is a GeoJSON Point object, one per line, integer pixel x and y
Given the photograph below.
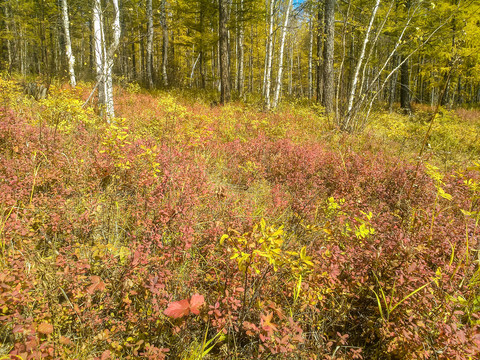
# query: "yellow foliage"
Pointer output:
{"type": "Point", "coordinates": [114, 140]}
{"type": "Point", "coordinates": [264, 246]}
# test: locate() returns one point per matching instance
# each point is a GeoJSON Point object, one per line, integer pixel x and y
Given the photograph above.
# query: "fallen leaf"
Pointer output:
{"type": "Point", "coordinates": [196, 302]}
{"type": "Point", "coordinates": [178, 309]}
{"type": "Point", "coordinates": [45, 328]}
{"type": "Point", "coordinates": [97, 284]}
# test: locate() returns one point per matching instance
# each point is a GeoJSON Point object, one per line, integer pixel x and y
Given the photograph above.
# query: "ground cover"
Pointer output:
{"type": "Point", "coordinates": [186, 230]}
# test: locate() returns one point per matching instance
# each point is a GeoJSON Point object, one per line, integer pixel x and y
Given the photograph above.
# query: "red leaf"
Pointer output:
{"type": "Point", "coordinates": [17, 328]}
{"type": "Point", "coordinates": [196, 302]}
{"type": "Point", "coordinates": [106, 355]}
{"type": "Point", "coordinates": [266, 323]}
{"type": "Point", "coordinates": [177, 309]}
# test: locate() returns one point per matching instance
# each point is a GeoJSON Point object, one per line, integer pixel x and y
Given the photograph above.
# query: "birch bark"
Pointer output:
{"type": "Point", "coordinates": [269, 55]}
{"type": "Point", "coordinates": [149, 44]}
{"type": "Point", "coordinates": [99, 46]}
{"type": "Point", "coordinates": [240, 80]}
{"type": "Point", "coordinates": [68, 44]}
{"type": "Point", "coordinates": [104, 59]}
{"type": "Point", "coordinates": [163, 20]}
{"type": "Point", "coordinates": [360, 61]}
{"type": "Point", "coordinates": [9, 44]}
{"type": "Point", "coordinates": [280, 59]}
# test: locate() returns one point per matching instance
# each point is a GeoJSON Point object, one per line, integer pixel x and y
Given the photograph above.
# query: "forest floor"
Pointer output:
{"type": "Point", "coordinates": [185, 230]}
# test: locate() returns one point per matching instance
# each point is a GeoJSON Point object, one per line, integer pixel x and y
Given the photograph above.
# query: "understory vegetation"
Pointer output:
{"type": "Point", "coordinates": [186, 230]}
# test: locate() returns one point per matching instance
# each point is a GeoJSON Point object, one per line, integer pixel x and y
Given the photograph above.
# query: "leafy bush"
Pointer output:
{"type": "Point", "coordinates": [185, 231]}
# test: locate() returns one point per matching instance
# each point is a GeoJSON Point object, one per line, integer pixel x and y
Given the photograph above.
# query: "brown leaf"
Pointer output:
{"type": "Point", "coordinates": [65, 340]}
{"type": "Point", "coordinates": [45, 328]}
{"type": "Point", "coordinates": [97, 284]}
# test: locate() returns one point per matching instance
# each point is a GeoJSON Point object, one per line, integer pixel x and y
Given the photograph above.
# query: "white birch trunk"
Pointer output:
{"type": "Point", "coordinates": [241, 56]}
{"type": "Point", "coordinates": [354, 124]}
{"type": "Point", "coordinates": [104, 59]}
{"type": "Point", "coordinates": [280, 59]}
{"type": "Point", "coordinates": [23, 46]}
{"type": "Point", "coordinates": [268, 68]}
{"type": "Point", "coordinates": [9, 45]}
{"type": "Point", "coordinates": [193, 69]}
{"type": "Point", "coordinates": [99, 46]}
{"type": "Point", "coordinates": [110, 57]}
{"type": "Point", "coordinates": [373, 46]}
{"type": "Point", "coordinates": [68, 44]}
{"type": "Point", "coordinates": [149, 43]}
{"type": "Point", "coordinates": [360, 60]}
{"type": "Point", "coordinates": [163, 20]}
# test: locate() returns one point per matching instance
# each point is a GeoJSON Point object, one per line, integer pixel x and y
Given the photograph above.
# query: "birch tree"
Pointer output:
{"type": "Point", "coordinates": [149, 44]}
{"type": "Point", "coordinates": [10, 48]}
{"type": "Point", "coordinates": [269, 53]}
{"type": "Point", "coordinates": [68, 43]}
{"type": "Point", "coordinates": [163, 21]}
{"type": "Point", "coordinates": [278, 86]}
{"type": "Point", "coordinates": [241, 31]}
{"type": "Point", "coordinates": [320, 30]}
{"type": "Point", "coordinates": [361, 57]}
{"type": "Point", "coordinates": [104, 58]}
{"type": "Point", "coordinates": [353, 90]}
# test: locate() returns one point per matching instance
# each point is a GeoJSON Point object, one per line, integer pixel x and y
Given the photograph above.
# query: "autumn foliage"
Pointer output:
{"type": "Point", "coordinates": [182, 231]}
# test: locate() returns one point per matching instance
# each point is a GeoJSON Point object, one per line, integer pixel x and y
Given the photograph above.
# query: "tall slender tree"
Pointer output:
{"type": "Point", "coordinates": [104, 58]}
{"type": "Point", "coordinates": [149, 44]}
{"type": "Point", "coordinates": [163, 21]}
{"type": "Point", "coordinates": [310, 59]}
{"type": "Point", "coordinates": [68, 43]}
{"type": "Point", "coordinates": [328, 57]}
{"type": "Point", "coordinates": [278, 86]}
{"type": "Point", "coordinates": [267, 81]}
{"type": "Point", "coordinates": [361, 58]}
{"type": "Point", "coordinates": [241, 56]}
{"type": "Point", "coordinates": [223, 50]}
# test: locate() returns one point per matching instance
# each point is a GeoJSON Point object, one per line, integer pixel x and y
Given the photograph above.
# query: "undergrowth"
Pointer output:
{"type": "Point", "coordinates": [187, 231]}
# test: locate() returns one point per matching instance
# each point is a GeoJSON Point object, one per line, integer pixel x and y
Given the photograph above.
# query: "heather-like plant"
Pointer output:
{"type": "Point", "coordinates": [112, 241]}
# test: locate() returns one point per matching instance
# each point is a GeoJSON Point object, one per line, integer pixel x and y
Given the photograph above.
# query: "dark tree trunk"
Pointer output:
{"type": "Point", "coordinates": [319, 51]}
{"type": "Point", "coordinates": [405, 86]}
{"type": "Point", "coordinates": [202, 59]}
{"type": "Point", "coordinates": [134, 61]}
{"type": "Point", "coordinates": [328, 53]}
{"type": "Point", "coordinates": [223, 32]}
